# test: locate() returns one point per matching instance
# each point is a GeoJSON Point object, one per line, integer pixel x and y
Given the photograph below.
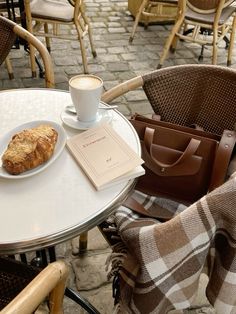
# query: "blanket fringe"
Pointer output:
{"type": "Point", "coordinates": [113, 265]}
{"type": "Point", "coordinates": [116, 309]}
{"type": "Point", "coordinates": [115, 259]}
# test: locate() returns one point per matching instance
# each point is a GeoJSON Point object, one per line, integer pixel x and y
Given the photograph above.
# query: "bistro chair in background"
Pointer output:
{"type": "Point", "coordinates": [154, 8]}
{"type": "Point", "coordinates": [40, 14]}
{"type": "Point", "coordinates": [23, 287]}
{"type": "Point", "coordinates": [8, 32]}
{"type": "Point", "coordinates": [205, 23]}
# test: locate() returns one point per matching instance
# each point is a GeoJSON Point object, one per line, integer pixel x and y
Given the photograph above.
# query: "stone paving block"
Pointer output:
{"type": "Point", "coordinates": [15, 83]}
{"type": "Point", "coordinates": [109, 58]}
{"type": "Point", "coordinates": [124, 76]}
{"type": "Point", "coordinates": [117, 67]}
{"type": "Point", "coordinates": [73, 70]}
{"type": "Point", "coordinates": [116, 30]}
{"type": "Point", "coordinates": [139, 65]}
{"type": "Point", "coordinates": [90, 270]}
{"type": "Point", "coordinates": [117, 50]}
{"type": "Point", "coordinates": [36, 82]}
{"type": "Point", "coordinates": [20, 72]}
{"type": "Point", "coordinates": [65, 61]}
{"type": "Point", "coordinates": [128, 56]}
{"type": "Point", "coordinates": [107, 76]}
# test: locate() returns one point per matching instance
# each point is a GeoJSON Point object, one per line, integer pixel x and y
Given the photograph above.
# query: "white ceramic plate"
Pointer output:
{"type": "Point", "coordinates": [61, 141]}
{"type": "Point", "coordinates": [71, 120]}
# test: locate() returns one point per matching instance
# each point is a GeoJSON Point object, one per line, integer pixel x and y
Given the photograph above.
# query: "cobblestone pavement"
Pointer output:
{"type": "Point", "coordinates": [116, 62]}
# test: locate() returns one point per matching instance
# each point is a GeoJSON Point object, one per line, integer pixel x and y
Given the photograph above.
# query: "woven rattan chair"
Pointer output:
{"type": "Point", "coordinates": [213, 17]}
{"type": "Point", "coordinates": [23, 287]}
{"type": "Point", "coordinates": [190, 95]}
{"type": "Point", "coordinates": [154, 8]}
{"type": "Point", "coordinates": [202, 95]}
{"type": "Point", "coordinates": [45, 13]}
{"type": "Point", "coordinates": [8, 32]}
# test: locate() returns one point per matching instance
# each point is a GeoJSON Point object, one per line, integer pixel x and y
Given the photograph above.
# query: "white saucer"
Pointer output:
{"type": "Point", "coordinates": [72, 121]}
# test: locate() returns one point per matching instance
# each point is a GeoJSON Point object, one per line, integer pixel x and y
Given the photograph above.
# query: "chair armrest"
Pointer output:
{"type": "Point", "coordinates": [50, 279]}
{"type": "Point", "coordinates": [122, 89]}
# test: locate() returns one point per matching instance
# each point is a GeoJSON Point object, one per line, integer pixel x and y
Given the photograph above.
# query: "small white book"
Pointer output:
{"type": "Point", "coordinates": [105, 157]}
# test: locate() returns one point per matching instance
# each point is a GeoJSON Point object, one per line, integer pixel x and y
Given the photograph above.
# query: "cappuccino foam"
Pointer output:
{"type": "Point", "coordinates": [85, 82]}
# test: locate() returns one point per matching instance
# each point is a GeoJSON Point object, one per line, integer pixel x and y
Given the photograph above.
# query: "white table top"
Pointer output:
{"type": "Point", "coordinates": [59, 202]}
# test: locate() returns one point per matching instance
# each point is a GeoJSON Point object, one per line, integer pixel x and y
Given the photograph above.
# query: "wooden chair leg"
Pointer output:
{"type": "Point", "coordinates": [94, 53]}
{"type": "Point", "coordinates": [142, 6]}
{"type": "Point", "coordinates": [56, 297]}
{"type": "Point", "coordinates": [30, 29]}
{"type": "Point", "coordinates": [169, 41]}
{"type": "Point", "coordinates": [215, 46]}
{"type": "Point", "coordinates": [231, 43]}
{"type": "Point", "coordinates": [47, 39]}
{"type": "Point", "coordinates": [9, 68]}
{"type": "Point", "coordinates": [174, 44]}
{"type": "Point", "coordinates": [83, 242]}
{"type": "Point", "coordinates": [82, 47]}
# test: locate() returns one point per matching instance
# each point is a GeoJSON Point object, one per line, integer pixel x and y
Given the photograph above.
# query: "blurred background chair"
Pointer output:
{"type": "Point", "coordinates": [23, 287]}
{"type": "Point", "coordinates": [8, 32]}
{"type": "Point", "coordinates": [154, 8]}
{"type": "Point", "coordinates": [203, 22]}
{"type": "Point", "coordinates": [44, 18]}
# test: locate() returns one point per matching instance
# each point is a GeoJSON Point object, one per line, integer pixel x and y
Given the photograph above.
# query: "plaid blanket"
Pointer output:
{"type": "Point", "coordinates": [159, 264]}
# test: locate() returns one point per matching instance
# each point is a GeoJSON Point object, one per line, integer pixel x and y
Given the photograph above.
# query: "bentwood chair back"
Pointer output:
{"type": "Point", "coordinates": [23, 287]}
{"type": "Point", "coordinates": [203, 22]}
{"type": "Point", "coordinates": [163, 10]}
{"type": "Point", "coordinates": [45, 17]}
{"type": "Point", "coordinates": [202, 95]}
{"type": "Point", "coordinates": [191, 95]}
{"type": "Point", "coordinates": [8, 32]}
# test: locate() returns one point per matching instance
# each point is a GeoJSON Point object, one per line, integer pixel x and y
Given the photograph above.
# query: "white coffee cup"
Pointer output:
{"type": "Point", "coordinates": [86, 91]}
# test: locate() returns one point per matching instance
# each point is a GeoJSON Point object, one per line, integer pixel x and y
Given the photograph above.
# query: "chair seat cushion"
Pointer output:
{"type": "Point", "coordinates": [52, 10]}
{"type": "Point", "coordinates": [209, 18]}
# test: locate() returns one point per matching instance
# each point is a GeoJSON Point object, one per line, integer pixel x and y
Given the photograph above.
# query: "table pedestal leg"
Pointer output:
{"type": "Point", "coordinates": [83, 242]}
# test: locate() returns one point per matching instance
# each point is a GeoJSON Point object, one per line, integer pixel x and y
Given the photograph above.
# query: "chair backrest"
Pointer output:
{"type": "Point", "coordinates": [24, 287]}
{"type": "Point", "coordinates": [14, 276]}
{"type": "Point", "coordinates": [7, 39]}
{"type": "Point", "coordinates": [8, 32]}
{"type": "Point", "coordinates": [194, 94]}
{"type": "Point", "coordinates": [207, 6]}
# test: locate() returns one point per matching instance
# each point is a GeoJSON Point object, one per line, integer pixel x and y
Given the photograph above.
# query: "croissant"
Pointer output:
{"type": "Point", "coordinates": [29, 149]}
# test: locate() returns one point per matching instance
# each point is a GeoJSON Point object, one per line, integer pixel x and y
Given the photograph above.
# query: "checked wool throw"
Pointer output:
{"type": "Point", "coordinates": [159, 264]}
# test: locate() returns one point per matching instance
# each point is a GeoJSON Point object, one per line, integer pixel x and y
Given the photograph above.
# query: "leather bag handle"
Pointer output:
{"type": "Point", "coordinates": [222, 158]}
{"type": "Point", "coordinates": [132, 204]}
{"type": "Point", "coordinates": [189, 151]}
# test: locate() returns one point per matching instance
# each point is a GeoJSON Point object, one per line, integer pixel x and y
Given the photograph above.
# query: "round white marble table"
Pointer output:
{"type": "Point", "coordinates": [58, 203]}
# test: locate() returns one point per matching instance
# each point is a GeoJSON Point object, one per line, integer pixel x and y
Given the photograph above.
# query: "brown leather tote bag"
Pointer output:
{"type": "Point", "coordinates": [181, 163]}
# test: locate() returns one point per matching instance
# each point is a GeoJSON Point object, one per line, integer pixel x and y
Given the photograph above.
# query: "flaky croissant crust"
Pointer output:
{"type": "Point", "coordinates": [29, 149]}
